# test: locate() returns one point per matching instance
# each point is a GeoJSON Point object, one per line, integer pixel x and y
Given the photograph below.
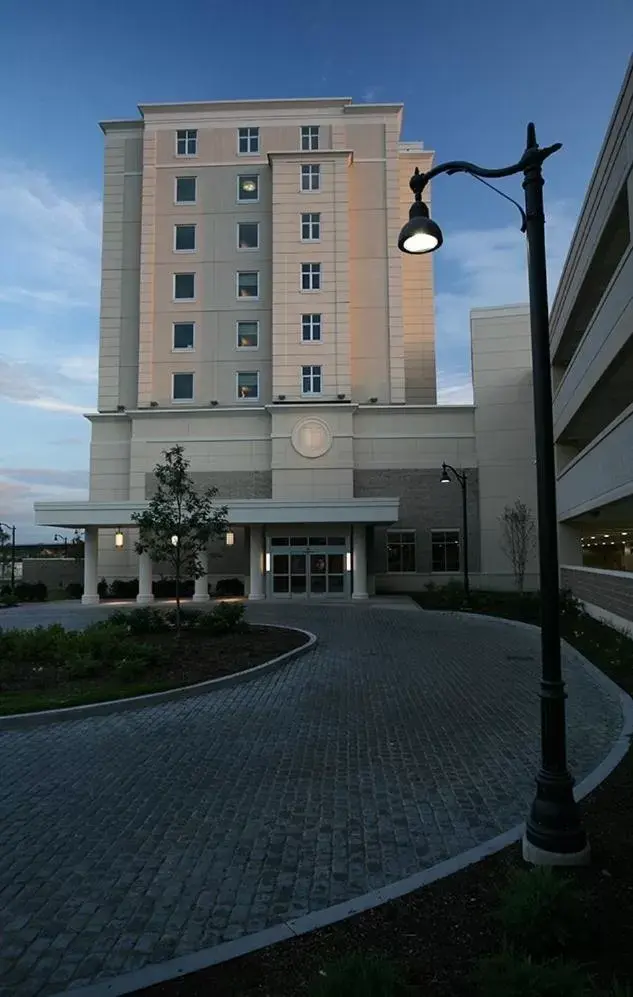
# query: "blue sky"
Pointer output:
{"type": "Point", "coordinates": [470, 76]}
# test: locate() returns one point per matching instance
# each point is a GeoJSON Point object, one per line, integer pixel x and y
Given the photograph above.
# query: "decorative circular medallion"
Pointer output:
{"type": "Point", "coordinates": [311, 438]}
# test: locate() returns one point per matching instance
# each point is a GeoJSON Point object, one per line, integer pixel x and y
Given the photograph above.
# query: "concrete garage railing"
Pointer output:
{"type": "Point", "coordinates": [607, 595]}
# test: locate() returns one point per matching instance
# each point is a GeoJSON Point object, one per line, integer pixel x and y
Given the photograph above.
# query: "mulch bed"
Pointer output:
{"type": "Point", "coordinates": [437, 934]}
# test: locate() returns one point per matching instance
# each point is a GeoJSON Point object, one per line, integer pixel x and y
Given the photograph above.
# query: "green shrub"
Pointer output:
{"type": "Point", "coordinates": [165, 588]}
{"type": "Point", "coordinates": [102, 589]}
{"type": "Point", "coordinates": [226, 617]}
{"type": "Point", "coordinates": [74, 590]}
{"type": "Point", "coordinates": [31, 591]}
{"type": "Point", "coordinates": [144, 620]}
{"type": "Point", "coordinates": [7, 600]}
{"type": "Point", "coordinates": [542, 912]}
{"type": "Point", "coordinates": [230, 587]}
{"type": "Point", "coordinates": [359, 975]}
{"type": "Point", "coordinates": [124, 588]}
{"type": "Point", "coordinates": [508, 974]}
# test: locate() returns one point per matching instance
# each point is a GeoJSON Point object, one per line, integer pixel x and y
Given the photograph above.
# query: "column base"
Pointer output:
{"type": "Point", "coordinates": [256, 597]}
{"type": "Point", "coordinates": [90, 600]}
{"type": "Point", "coordinates": [201, 598]}
{"type": "Point", "coordinates": [538, 856]}
{"type": "Point", "coordinates": [144, 600]}
{"type": "Point", "coordinates": [360, 595]}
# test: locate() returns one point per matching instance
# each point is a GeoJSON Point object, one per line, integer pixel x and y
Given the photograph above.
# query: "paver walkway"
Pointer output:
{"type": "Point", "coordinates": [403, 738]}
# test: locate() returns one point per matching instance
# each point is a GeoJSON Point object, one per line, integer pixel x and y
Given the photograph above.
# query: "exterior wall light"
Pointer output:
{"type": "Point", "coordinates": [267, 561]}
{"type": "Point", "coordinates": [348, 561]}
{"type": "Point", "coordinates": [229, 537]}
{"type": "Point", "coordinates": [119, 539]}
{"type": "Point", "coordinates": [174, 539]}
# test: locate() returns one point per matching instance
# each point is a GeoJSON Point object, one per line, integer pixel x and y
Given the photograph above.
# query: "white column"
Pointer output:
{"type": "Point", "coordinates": [256, 590]}
{"type": "Point", "coordinates": [359, 563]}
{"type": "Point", "coordinates": [91, 540]}
{"type": "Point", "coordinates": [145, 593]}
{"type": "Point", "coordinates": [201, 588]}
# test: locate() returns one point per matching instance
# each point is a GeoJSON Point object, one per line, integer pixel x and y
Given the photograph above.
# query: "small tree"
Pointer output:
{"type": "Point", "coordinates": [518, 534]}
{"type": "Point", "coordinates": [5, 552]}
{"type": "Point", "coordinates": [179, 521]}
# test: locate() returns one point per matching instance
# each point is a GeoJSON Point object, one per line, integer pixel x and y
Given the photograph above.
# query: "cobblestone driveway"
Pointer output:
{"type": "Point", "coordinates": [404, 738]}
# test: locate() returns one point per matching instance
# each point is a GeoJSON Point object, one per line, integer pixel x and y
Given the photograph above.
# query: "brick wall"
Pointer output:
{"type": "Point", "coordinates": [611, 591]}
{"type": "Point", "coordinates": [230, 484]}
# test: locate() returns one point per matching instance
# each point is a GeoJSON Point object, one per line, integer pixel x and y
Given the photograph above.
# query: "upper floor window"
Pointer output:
{"type": "Point", "coordinates": [310, 177]}
{"type": "Point", "coordinates": [311, 328]}
{"type": "Point", "coordinates": [247, 141]}
{"type": "Point", "coordinates": [310, 276]}
{"type": "Point", "coordinates": [182, 387]}
{"type": "Point", "coordinates": [248, 284]}
{"type": "Point", "coordinates": [309, 138]}
{"type": "Point", "coordinates": [185, 190]}
{"type": "Point", "coordinates": [248, 384]}
{"type": "Point", "coordinates": [183, 335]}
{"type": "Point", "coordinates": [400, 550]}
{"type": "Point", "coordinates": [184, 286]}
{"type": "Point", "coordinates": [248, 188]}
{"type": "Point", "coordinates": [310, 226]}
{"type": "Point", "coordinates": [311, 379]}
{"type": "Point", "coordinates": [445, 550]}
{"type": "Point", "coordinates": [187, 142]}
{"type": "Point", "coordinates": [184, 238]}
{"type": "Point", "coordinates": [247, 335]}
{"type": "Point", "coordinates": [248, 235]}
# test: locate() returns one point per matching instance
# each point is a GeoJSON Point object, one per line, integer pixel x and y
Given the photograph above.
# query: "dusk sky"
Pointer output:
{"type": "Point", "coordinates": [471, 75]}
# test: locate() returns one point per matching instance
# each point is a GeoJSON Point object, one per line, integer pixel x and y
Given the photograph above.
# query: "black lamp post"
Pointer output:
{"type": "Point", "coordinates": [554, 834]}
{"type": "Point", "coordinates": [12, 530]}
{"type": "Point", "coordinates": [461, 478]}
{"type": "Point", "coordinates": [59, 537]}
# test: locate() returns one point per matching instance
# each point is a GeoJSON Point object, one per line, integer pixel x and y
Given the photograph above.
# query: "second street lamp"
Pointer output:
{"type": "Point", "coordinates": [463, 482]}
{"type": "Point", "coordinates": [554, 834]}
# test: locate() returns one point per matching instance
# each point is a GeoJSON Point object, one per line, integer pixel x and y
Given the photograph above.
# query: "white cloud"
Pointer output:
{"type": "Point", "coordinates": [454, 388]}
{"type": "Point", "coordinates": [370, 93]}
{"type": "Point", "coordinates": [51, 387]}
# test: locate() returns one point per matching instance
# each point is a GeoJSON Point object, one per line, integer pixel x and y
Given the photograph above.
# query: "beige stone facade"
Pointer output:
{"type": "Point", "coordinates": [255, 308]}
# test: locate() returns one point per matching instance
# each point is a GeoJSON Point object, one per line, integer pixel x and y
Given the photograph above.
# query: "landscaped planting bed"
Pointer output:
{"type": "Point", "coordinates": [129, 654]}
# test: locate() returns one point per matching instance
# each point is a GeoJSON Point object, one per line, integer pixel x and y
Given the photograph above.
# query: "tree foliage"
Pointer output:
{"type": "Point", "coordinates": [518, 536]}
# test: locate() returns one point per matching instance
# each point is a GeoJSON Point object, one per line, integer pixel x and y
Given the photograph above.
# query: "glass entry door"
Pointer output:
{"type": "Point", "coordinates": [301, 570]}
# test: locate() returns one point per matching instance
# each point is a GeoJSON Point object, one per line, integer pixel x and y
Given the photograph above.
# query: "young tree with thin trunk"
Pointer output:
{"type": "Point", "coordinates": [518, 536]}
{"type": "Point", "coordinates": [180, 521]}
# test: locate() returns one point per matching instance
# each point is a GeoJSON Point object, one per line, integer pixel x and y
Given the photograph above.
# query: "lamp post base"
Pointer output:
{"type": "Point", "coordinates": [539, 856]}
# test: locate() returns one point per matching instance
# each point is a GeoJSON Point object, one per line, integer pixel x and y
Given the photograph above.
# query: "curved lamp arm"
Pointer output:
{"type": "Point", "coordinates": [460, 476]}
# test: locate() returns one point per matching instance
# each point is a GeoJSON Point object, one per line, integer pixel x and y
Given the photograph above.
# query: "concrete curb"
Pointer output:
{"type": "Point", "coordinates": [176, 968]}
{"type": "Point", "coordinates": [25, 721]}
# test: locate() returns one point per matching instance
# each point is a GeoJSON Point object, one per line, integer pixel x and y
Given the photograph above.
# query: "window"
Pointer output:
{"type": "Point", "coordinates": [248, 235]}
{"type": "Point", "coordinates": [248, 384]}
{"type": "Point", "coordinates": [310, 226]}
{"type": "Point", "coordinates": [311, 380]}
{"type": "Point", "coordinates": [311, 328]}
{"type": "Point", "coordinates": [247, 141]}
{"type": "Point", "coordinates": [310, 276]}
{"type": "Point", "coordinates": [309, 138]}
{"type": "Point", "coordinates": [185, 190]}
{"type": "Point", "coordinates": [310, 178]}
{"type": "Point", "coordinates": [247, 335]}
{"type": "Point", "coordinates": [187, 142]}
{"type": "Point", "coordinates": [248, 188]}
{"type": "Point", "coordinates": [184, 238]}
{"type": "Point", "coordinates": [445, 550]}
{"type": "Point", "coordinates": [184, 286]}
{"type": "Point", "coordinates": [182, 387]}
{"type": "Point", "coordinates": [400, 551]}
{"type": "Point", "coordinates": [183, 335]}
{"type": "Point", "coordinates": [248, 284]}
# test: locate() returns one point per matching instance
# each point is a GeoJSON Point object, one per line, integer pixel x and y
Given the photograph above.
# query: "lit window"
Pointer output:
{"type": "Point", "coordinates": [310, 226]}
{"type": "Point", "coordinates": [248, 384]}
{"type": "Point", "coordinates": [184, 286]}
{"type": "Point", "coordinates": [309, 138]}
{"type": "Point", "coordinates": [182, 387]}
{"type": "Point", "coordinates": [187, 142]}
{"type": "Point", "coordinates": [310, 276]}
{"type": "Point", "coordinates": [184, 238]}
{"type": "Point", "coordinates": [310, 177]}
{"type": "Point", "coordinates": [311, 380]}
{"type": "Point", "coordinates": [183, 335]}
{"type": "Point", "coordinates": [248, 235]}
{"type": "Point", "coordinates": [311, 328]}
{"type": "Point", "coordinates": [185, 190]}
{"type": "Point", "coordinates": [247, 335]}
{"type": "Point", "coordinates": [445, 550]}
{"type": "Point", "coordinates": [247, 141]}
{"type": "Point", "coordinates": [400, 551]}
{"type": "Point", "coordinates": [248, 188]}
{"type": "Point", "coordinates": [248, 284]}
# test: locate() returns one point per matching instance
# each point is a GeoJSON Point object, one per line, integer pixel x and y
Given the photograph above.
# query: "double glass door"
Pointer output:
{"type": "Point", "coordinates": [308, 569]}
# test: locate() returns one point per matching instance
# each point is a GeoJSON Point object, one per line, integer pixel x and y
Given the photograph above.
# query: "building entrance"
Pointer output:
{"type": "Point", "coordinates": [305, 566]}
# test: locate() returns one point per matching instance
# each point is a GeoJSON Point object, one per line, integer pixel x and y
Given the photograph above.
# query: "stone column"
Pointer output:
{"type": "Point", "coordinates": [91, 541]}
{"type": "Point", "coordinates": [359, 563]}
{"type": "Point", "coordinates": [201, 589]}
{"type": "Point", "coordinates": [145, 594]}
{"type": "Point", "coordinates": [256, 591]}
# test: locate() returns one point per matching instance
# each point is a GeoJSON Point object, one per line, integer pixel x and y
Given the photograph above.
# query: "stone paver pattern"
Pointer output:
{"type": "Point", "coordinates": [405, 737]}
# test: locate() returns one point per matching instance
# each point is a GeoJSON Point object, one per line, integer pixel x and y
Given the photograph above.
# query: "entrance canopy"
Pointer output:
{"type": "Point", "coordinates": [241, 512]}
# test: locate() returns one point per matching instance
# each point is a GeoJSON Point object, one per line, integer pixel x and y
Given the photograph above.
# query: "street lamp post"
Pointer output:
{"type": "Point", "coordinates": [12, 530]}
{"type": "Point", "coordinates": [463, 482]}
{"type": "Point", "coordinates": [554, 834]}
